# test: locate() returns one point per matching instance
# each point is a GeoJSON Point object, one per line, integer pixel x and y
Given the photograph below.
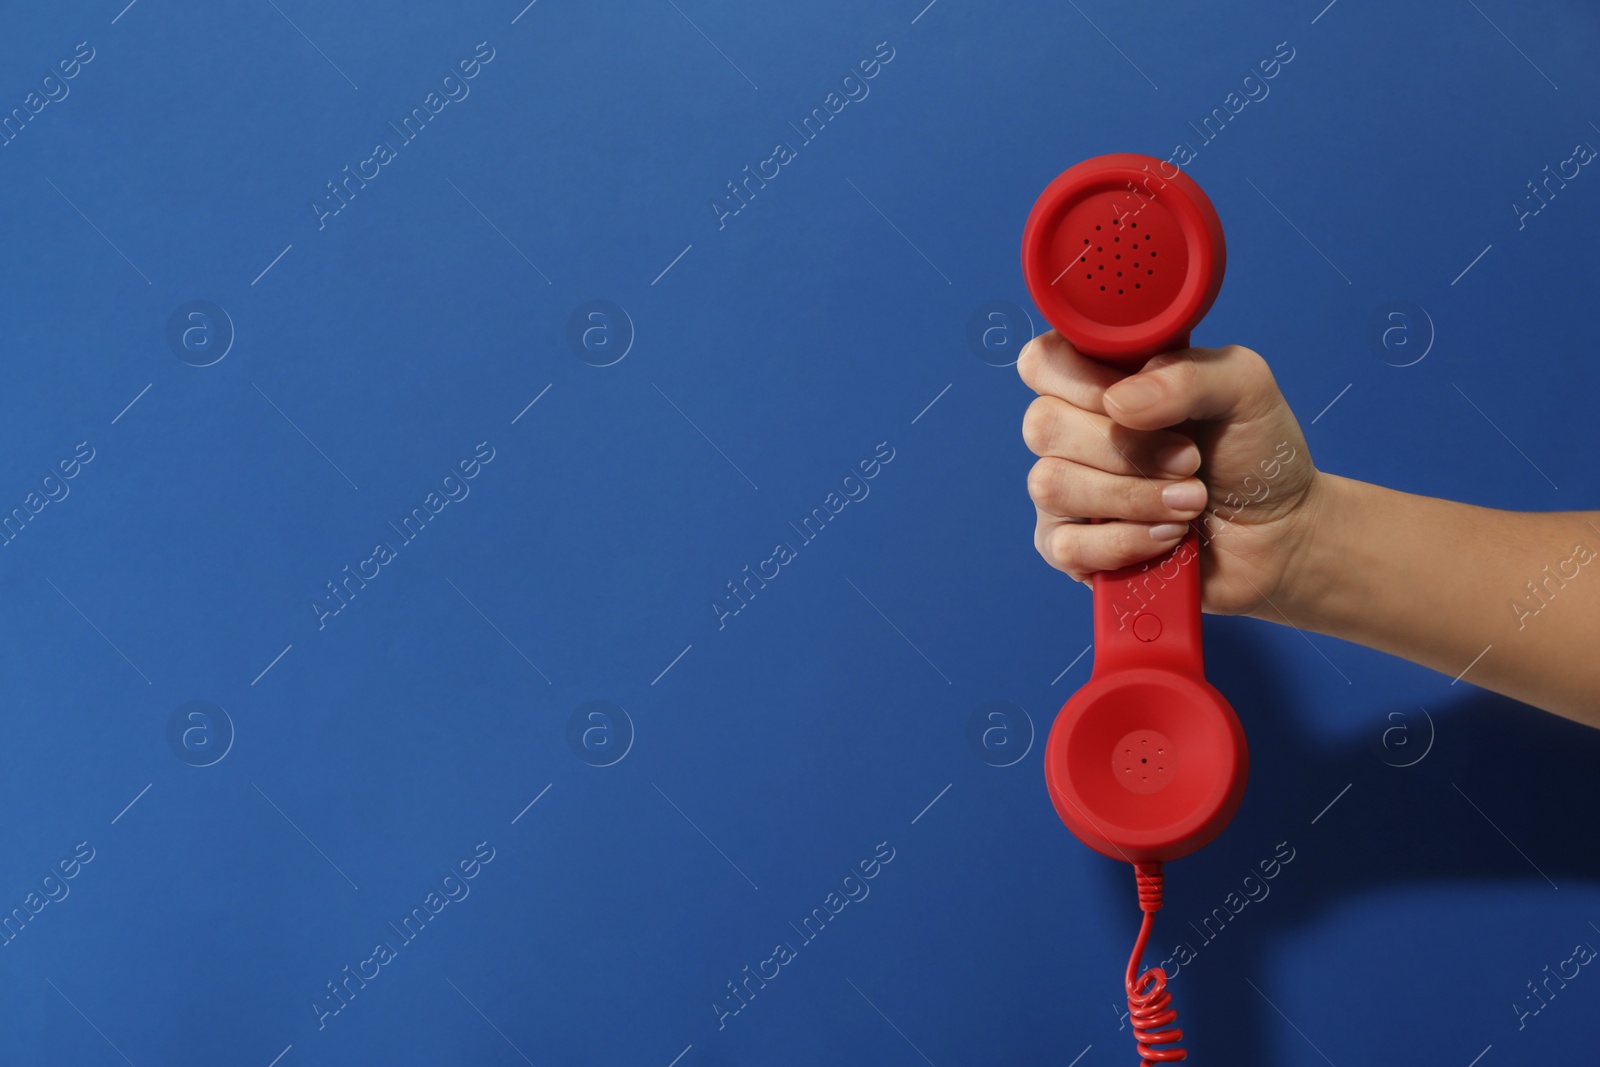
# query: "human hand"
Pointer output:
{"type": "Point", "coordinates": [1106, 452]}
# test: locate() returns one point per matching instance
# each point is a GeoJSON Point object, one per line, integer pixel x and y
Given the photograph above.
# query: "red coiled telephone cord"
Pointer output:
{"type": "Point", "coordinates": [1149, 1002]}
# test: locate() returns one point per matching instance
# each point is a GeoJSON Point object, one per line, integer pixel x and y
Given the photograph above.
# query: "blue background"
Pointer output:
{"type": "Point", "coordinates": [760, 761]}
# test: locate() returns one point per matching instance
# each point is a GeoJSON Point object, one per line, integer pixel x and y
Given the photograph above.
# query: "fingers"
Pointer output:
{"type": "Point", "coordinates": [1081, 550]}
{"type": "Point", "coordinates": [1230, 383]}
{"type": "Point", "coordinates": [1052, 367]}
{"type": "Point", "coordinates": [1053, 427]}
{"type": "Point", "coordinates": [1061, 487]}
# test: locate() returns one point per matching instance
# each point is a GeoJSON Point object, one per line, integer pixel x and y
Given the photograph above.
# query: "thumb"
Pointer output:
{"type": "Point", "coordinates": [1231, 383]}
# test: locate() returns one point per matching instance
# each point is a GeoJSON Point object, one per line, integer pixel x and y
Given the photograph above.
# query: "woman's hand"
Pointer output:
{"type": "Point", "coordinates": [1245, 478]}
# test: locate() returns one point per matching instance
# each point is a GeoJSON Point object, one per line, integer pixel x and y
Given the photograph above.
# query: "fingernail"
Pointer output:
{"type": "Point", "coordinates": [1185, 496]}
{"type": "Point", "coordinates": [1133, 394]}
{"type": "Point", "coordinates": [1168, 531]}
{"type": "Point", "coordinates": [1182, 458]}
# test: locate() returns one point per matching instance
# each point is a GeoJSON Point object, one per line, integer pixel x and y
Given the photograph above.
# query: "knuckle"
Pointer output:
{"type": "Point", "coordinates": [1038, 426]}
{"type": "Point", "coordinates": [1028, 362]}
{"type": "Point", "coordinates": [1065, 549]}
{"type": "Point", "coordinates": [1138, 497]}
{"type": "Point", "coordinates": [1044, 483]}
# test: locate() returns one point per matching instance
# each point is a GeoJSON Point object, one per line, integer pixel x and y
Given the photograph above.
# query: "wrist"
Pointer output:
{"type": "Point", "coordinates": [1317, 560]}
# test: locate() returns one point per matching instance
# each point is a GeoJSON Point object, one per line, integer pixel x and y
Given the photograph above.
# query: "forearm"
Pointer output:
{"type": "Point", "coordinates": [1440, 582]}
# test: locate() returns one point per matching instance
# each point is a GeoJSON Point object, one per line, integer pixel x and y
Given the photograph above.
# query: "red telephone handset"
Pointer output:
{"type": "Point", "coordinates": [1147, 762]}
